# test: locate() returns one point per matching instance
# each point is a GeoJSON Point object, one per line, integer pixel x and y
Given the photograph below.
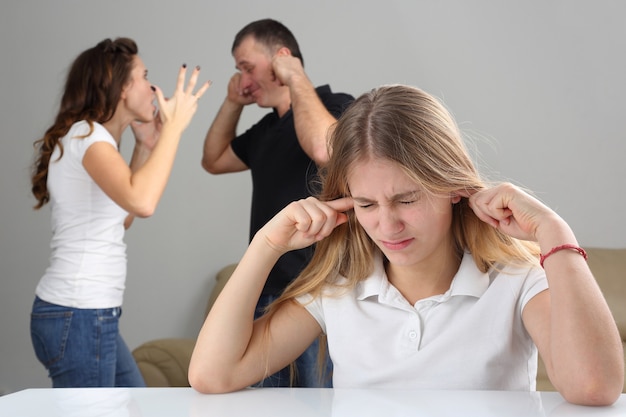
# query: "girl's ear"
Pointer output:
{"type": "Point", "coordinates": [455, 198]}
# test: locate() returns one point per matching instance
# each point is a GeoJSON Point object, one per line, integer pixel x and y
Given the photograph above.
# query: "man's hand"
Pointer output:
{"type": "Point", "coordinates": [286, 67]}
{"type": "Point", "coordinates": [236, 93]}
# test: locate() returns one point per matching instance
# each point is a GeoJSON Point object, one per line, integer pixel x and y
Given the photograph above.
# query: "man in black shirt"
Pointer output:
{"type": "Point", "coordinates": [282, 151]}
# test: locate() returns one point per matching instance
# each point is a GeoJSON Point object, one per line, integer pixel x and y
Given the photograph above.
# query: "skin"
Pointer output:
{"type": "Point", "coordinates": [411, 227]}
{"type": "Point", "coordinates": [257, 81]}
{"type": "Point", "coordinates": [270, 80]}
{"type": "Point", "coordinates": [570, 323]}
{"type": "Point", "coordinates": [138, 187]}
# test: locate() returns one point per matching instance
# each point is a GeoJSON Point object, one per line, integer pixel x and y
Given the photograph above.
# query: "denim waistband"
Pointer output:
{"type": "Point", "coordinates": [40, 305]}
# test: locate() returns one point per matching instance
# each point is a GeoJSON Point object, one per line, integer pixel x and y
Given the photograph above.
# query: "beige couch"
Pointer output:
{"type": "Point", "coordinates": [164, 362]}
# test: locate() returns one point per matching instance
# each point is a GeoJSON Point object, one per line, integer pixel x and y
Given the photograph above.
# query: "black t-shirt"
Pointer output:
{"type": "Point", "coordinates": [281, 173]}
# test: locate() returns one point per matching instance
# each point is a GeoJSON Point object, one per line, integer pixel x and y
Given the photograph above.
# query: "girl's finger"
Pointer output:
{"type": "Point", "coordinates": [316, 216]}
{"type": "Point", "coordinates": [335, 214]}
{"type": "Point", "coordinates": [341, 204]}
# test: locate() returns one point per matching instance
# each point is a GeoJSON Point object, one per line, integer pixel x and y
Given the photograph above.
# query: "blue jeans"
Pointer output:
{"type": "Point", "coordinates": [307, 370]}
{"type": "Point", "coordinates": [82, 347]}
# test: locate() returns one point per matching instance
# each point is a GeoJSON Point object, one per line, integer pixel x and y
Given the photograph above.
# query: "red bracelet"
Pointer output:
{"type": "Point", "coordinates": [555, 249]}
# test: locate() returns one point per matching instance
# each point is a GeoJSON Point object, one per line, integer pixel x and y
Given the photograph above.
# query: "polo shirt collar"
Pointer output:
{"type": "Point", "coordinates": [468, 281]}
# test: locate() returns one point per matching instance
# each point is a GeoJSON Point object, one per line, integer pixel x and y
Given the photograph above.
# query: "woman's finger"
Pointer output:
{"type": "Point", "coordinates": [180, 82]}
{"type": "Point", "coordinates": [160, 101]}
{"type": "Point", "coordinates": [203, 89]}
{"type": "Point", "coordinates": [192, 80]}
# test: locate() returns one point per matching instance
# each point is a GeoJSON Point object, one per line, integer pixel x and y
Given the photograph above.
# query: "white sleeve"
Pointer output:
{"type": "Point", "coordinates": [534, 283]}
{"type": "Point", "coordinates": [99, 134]}
{"type": "Point", "coordinates": [315, 307]}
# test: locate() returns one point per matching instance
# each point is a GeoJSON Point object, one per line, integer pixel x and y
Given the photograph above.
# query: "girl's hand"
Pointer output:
{"type": "Point", "coordinates": [511, 210]}
{"type": "Point", "coordinates": [180, 108]}
{"type": "Point", "coordinates": [305, 222]}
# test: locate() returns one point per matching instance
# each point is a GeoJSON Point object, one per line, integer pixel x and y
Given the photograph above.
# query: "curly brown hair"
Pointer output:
{"type": "Point", "coordinates": [92, 91]}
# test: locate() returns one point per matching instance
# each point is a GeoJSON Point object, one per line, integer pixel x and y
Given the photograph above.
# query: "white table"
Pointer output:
{"type": "Point", "coordinates": [292, 402]}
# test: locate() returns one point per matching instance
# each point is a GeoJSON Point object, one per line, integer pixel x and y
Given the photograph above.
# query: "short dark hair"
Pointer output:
{"type": "Point", "coordinates": [272, 34]}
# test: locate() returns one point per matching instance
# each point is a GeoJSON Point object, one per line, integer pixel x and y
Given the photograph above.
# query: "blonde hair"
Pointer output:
{"type": "Point", "coordinates": [412, 129]}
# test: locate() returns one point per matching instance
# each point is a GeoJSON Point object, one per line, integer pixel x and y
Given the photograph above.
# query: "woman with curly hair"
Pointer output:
{"type": "Point", "coordinates": [94, 195]}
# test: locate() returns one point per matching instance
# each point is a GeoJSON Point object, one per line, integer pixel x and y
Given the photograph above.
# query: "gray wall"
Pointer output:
{"type": "Point", "coordinates": [537, 86]}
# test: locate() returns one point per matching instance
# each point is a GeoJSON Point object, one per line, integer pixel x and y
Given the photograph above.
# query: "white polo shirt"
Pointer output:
{"type": "Point", "coordinates": [471, 337]}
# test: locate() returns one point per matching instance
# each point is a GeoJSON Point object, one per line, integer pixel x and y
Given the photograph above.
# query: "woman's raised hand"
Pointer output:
{"type": "Point", "coordinates": [305, 222]}
{"type": "Point", "coordinates": [180, 108]}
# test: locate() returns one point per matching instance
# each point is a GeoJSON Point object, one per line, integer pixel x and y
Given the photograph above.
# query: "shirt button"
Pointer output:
{"type": "Point", "coordinates": [412, 335]}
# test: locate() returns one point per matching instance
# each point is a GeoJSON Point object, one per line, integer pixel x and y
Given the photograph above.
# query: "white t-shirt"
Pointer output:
{"type": "Point", "coordinates": [472, 337]}
{"type": "Point", "coordinates": [88, 261]}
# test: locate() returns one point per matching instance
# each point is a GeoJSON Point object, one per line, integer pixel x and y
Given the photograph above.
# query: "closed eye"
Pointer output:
{"type": "Point", "coordinates": [405, 199]}
{"type": "Point", "coordinates": [408, 198]}
{"type": "Point", "coordinates": [363, 203]}
{"type": "Point", "coordinates": [247, 69]}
